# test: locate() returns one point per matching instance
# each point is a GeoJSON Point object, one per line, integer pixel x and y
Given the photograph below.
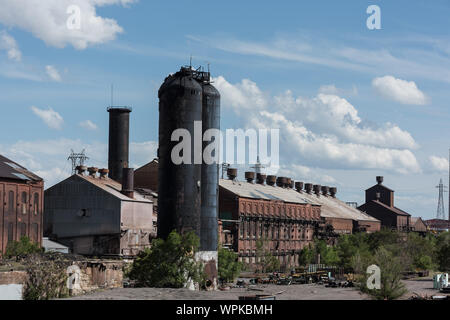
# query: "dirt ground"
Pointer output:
{"type": "Point", "coordinates": [281, 292]}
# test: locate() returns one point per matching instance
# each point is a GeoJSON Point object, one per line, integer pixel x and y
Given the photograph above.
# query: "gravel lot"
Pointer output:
{"type": "Point", "coordinates": [292, 292]}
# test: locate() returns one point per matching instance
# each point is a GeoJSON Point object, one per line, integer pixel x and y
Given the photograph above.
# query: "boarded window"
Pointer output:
{"type": "Point", "coordinates": [23, 230]}
{"type": "Point", "coordinates": [34, 232]}
{"type": "Point", "coordinates": [11, 202]}
{"type": "Point", "coordinates": [10, 232]}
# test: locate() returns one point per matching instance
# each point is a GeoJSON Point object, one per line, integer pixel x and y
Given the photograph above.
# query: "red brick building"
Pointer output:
{"type": "Point", "coordinates": [380, 204]}
{"type": "Point", "coordinates": [279, 215]}
{"type": "Point", "coordinates": [22, 206]}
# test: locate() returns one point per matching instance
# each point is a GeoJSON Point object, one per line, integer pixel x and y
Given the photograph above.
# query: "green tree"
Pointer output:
{"type": "Point", "coordinates": [266, 262]}
{"type": "Point", "coordinates": [168, 263]}
{"type": "Point", "coordinates": [443, 251]}
{"type": "Point", "coordinates": [229, 266]}
{"type": "Point", "coordinates": [391, 273]}
{"type": "Point", "coordinates": [21, 248]}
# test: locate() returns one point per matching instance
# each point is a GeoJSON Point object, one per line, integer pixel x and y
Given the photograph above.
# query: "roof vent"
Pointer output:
{"type": "Point", "coordinates": [250, 176]}
{"type": "Point", "coordinates": [325, 190]}
{"type": "Point", "coordinates": [333, 191]}
{"type": "Point", "coordinates": [299, 186]}
{"type": "Point", "coordinates": [271, 180]}
{"type": "Point", "coordinates": [308, 187]}
{"type": "Point", "coordinates": [103, 173]}
{"type": "Point", "coordinates": [81, 169]}
{"type": "Point", "coordinates": [232, 173]}
{"type": "Point", "coordinates": [281, 182]}
{"type": "Point", "coordinates": [93, 171]}
{"type": "Point", "coordinates": [316, 189]}
{"type": "Point", "coordinates": [260, 178]}
{"type": "Point", "coordinates": [288, 182]}
{"type": "Point", "coordinates": [380, 179]}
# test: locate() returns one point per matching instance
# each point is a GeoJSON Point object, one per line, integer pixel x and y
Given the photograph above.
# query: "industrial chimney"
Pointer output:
{"type": "Point", "coordinates": [128, 182]}
{"type": "Point", "coordinates": [325, 190]}
{"type": "Point", "coordinates": [299, 186]}
{"type": "Point", "coordinates": [119, 135]}
{"type": "Point", "coordinates": [308, 187]}
{"type": "Point", "coordinates": [333, 191]}
{"type": "Point", "coordinates": [316, 189]}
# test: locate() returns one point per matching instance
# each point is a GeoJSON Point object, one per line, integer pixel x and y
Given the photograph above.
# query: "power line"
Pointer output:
{"type": "Point", "coordinates": [78, 159]}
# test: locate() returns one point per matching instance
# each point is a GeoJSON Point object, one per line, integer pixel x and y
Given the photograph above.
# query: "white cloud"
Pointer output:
{"type": "Point", "coordinates": [53, 73]}
{"type": "Point", "coordinates": [439, 164]}
{"type": "Point", "coordinates": [405, 92]}
{"type": "Point", "coordinates": [325, 131]}
{"type": "Point", "coordinates": [332, 89]}
{"type": "Point", "coordinates": [306, 174]}
{"type": "Point", "coordinates": [88, 124]}
{"type": "Point", "coordinates": [9, 44]}
{"type": "Point", "coordinates": [51, 118]}
{"type": "Point", "coordinates": [47, 20]}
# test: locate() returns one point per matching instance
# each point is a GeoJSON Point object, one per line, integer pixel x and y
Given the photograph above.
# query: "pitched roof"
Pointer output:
{"type": "Point", "coordinates": [12, 170]}
{"type": "Point", "coordinates": [394, 210]}
{"type": "Point", "coordinates": [380, 185]}
{"type": "Point", "coordinates": [265, 192]}
{"type": "Point", "coordinates": [335, 208]}
{"type": "Point", "coordinates": [113, 187]}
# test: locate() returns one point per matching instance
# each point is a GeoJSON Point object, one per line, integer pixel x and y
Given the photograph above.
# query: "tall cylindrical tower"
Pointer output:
{"type": "Point", "coordinates": [119, 137]}
{"type": "Point", "coordinates": [210, 172]}
{"type": "Point", "coordinates": [179, 189]}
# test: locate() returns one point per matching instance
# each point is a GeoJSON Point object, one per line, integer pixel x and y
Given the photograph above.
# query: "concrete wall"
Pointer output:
{"type": "Point", "coordinates": [94, 275]}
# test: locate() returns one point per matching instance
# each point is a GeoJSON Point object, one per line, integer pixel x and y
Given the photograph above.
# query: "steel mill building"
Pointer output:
{"type": "Point", "coordinates": [287, 218]}
{"type": "Point", "coordinates": [21, 192]}
{"type": "Point", "coordinates": [93, 214]}
{"type": "Point", "coordinates": [380, 205]}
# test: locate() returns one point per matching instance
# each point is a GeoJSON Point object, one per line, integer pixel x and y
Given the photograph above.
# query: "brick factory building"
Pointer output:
{"type": "Point", "coordinates": [251, 211]}
{"type": "Point", "coordinates": [147, 176]}
{"type": "Point", "coordinates": [380, 204]}
{"type": "Point", "coordinates": [284, 214]}
{"type": "Point", "coordinates": [95, 215]}
{"type": "Point", "coordinates": [21, 192]}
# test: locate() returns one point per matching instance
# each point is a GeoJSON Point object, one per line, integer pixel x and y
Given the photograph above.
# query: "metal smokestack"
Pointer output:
{"type": "Point", "coordinates": [119, 137]}
{"type": "Point", "coordinates": [128, 182]}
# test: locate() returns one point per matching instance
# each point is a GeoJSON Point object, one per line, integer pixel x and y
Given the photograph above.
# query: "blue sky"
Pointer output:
{"type": "Point", "coordinates": [352, 103]}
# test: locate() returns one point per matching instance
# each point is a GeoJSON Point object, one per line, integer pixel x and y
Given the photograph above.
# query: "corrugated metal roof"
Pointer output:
{"type": "Point", "coordinates": [262, 191]}
{"type": "Point", "coordinates": [113, 187]}
{"type": "Point", "coordinates": [12, 170]}
{"type": "Point", "coordinates": [335, 208]}
{"type": "Point", "coordinates": [330, 207]}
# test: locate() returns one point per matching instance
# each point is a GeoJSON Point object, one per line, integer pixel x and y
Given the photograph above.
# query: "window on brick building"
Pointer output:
{"type": "Point", "coordinates": [36, 204]}
{"type": "Point", "coordinates": [24, 203]}
{"type": "Point", "coordinates": [11, 202]}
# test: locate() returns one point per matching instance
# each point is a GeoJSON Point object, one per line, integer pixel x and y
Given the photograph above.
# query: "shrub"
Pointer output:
{"type": "Point", "coordinates": [47, 278]}
{"type": "Point", "coordinates": [229, 266]}
{"type": "Point", "coordinates": [21, 248]}
{"type": "Point", "coordinates": [168, 263]}
{"type": "Point", "coordinates": [266, 261]}
{"type": "Point", "coordinates": [443, 251]}
{"type": "Point", "coordinates": [391, 274]}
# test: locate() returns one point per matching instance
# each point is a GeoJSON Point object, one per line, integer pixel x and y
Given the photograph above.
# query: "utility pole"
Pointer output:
{"type": "Point", "coordinates": [440, 210]}
{"type": "Point", "coordinates": [77, 159]}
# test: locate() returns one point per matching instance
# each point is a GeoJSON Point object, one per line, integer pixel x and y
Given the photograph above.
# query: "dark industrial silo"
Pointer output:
{"type": "Point", "coordinates": [210, 172]}
{"type": "Point", "coordinates": [179, 190]}
{"type": "Point", "coordinates": [119, 135]}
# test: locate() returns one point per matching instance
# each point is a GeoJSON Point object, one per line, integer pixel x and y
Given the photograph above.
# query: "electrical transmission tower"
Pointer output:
{"type": "Point", "coordinates": [440, 210]}
{"type": "Point", "coordinates": [78, 159]}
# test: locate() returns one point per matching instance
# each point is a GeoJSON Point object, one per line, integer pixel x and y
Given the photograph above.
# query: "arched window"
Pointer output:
{"type": "Point", "coordinates": [11, 202]}
{"type": "Point", "coordinates": [36, 204]}
{"type": "Point", "coordinates": [24, 202]}
{"type": "Point", "coordinates": [10, 232]}
{"type": "Point", "coordinates": [23, 230]}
